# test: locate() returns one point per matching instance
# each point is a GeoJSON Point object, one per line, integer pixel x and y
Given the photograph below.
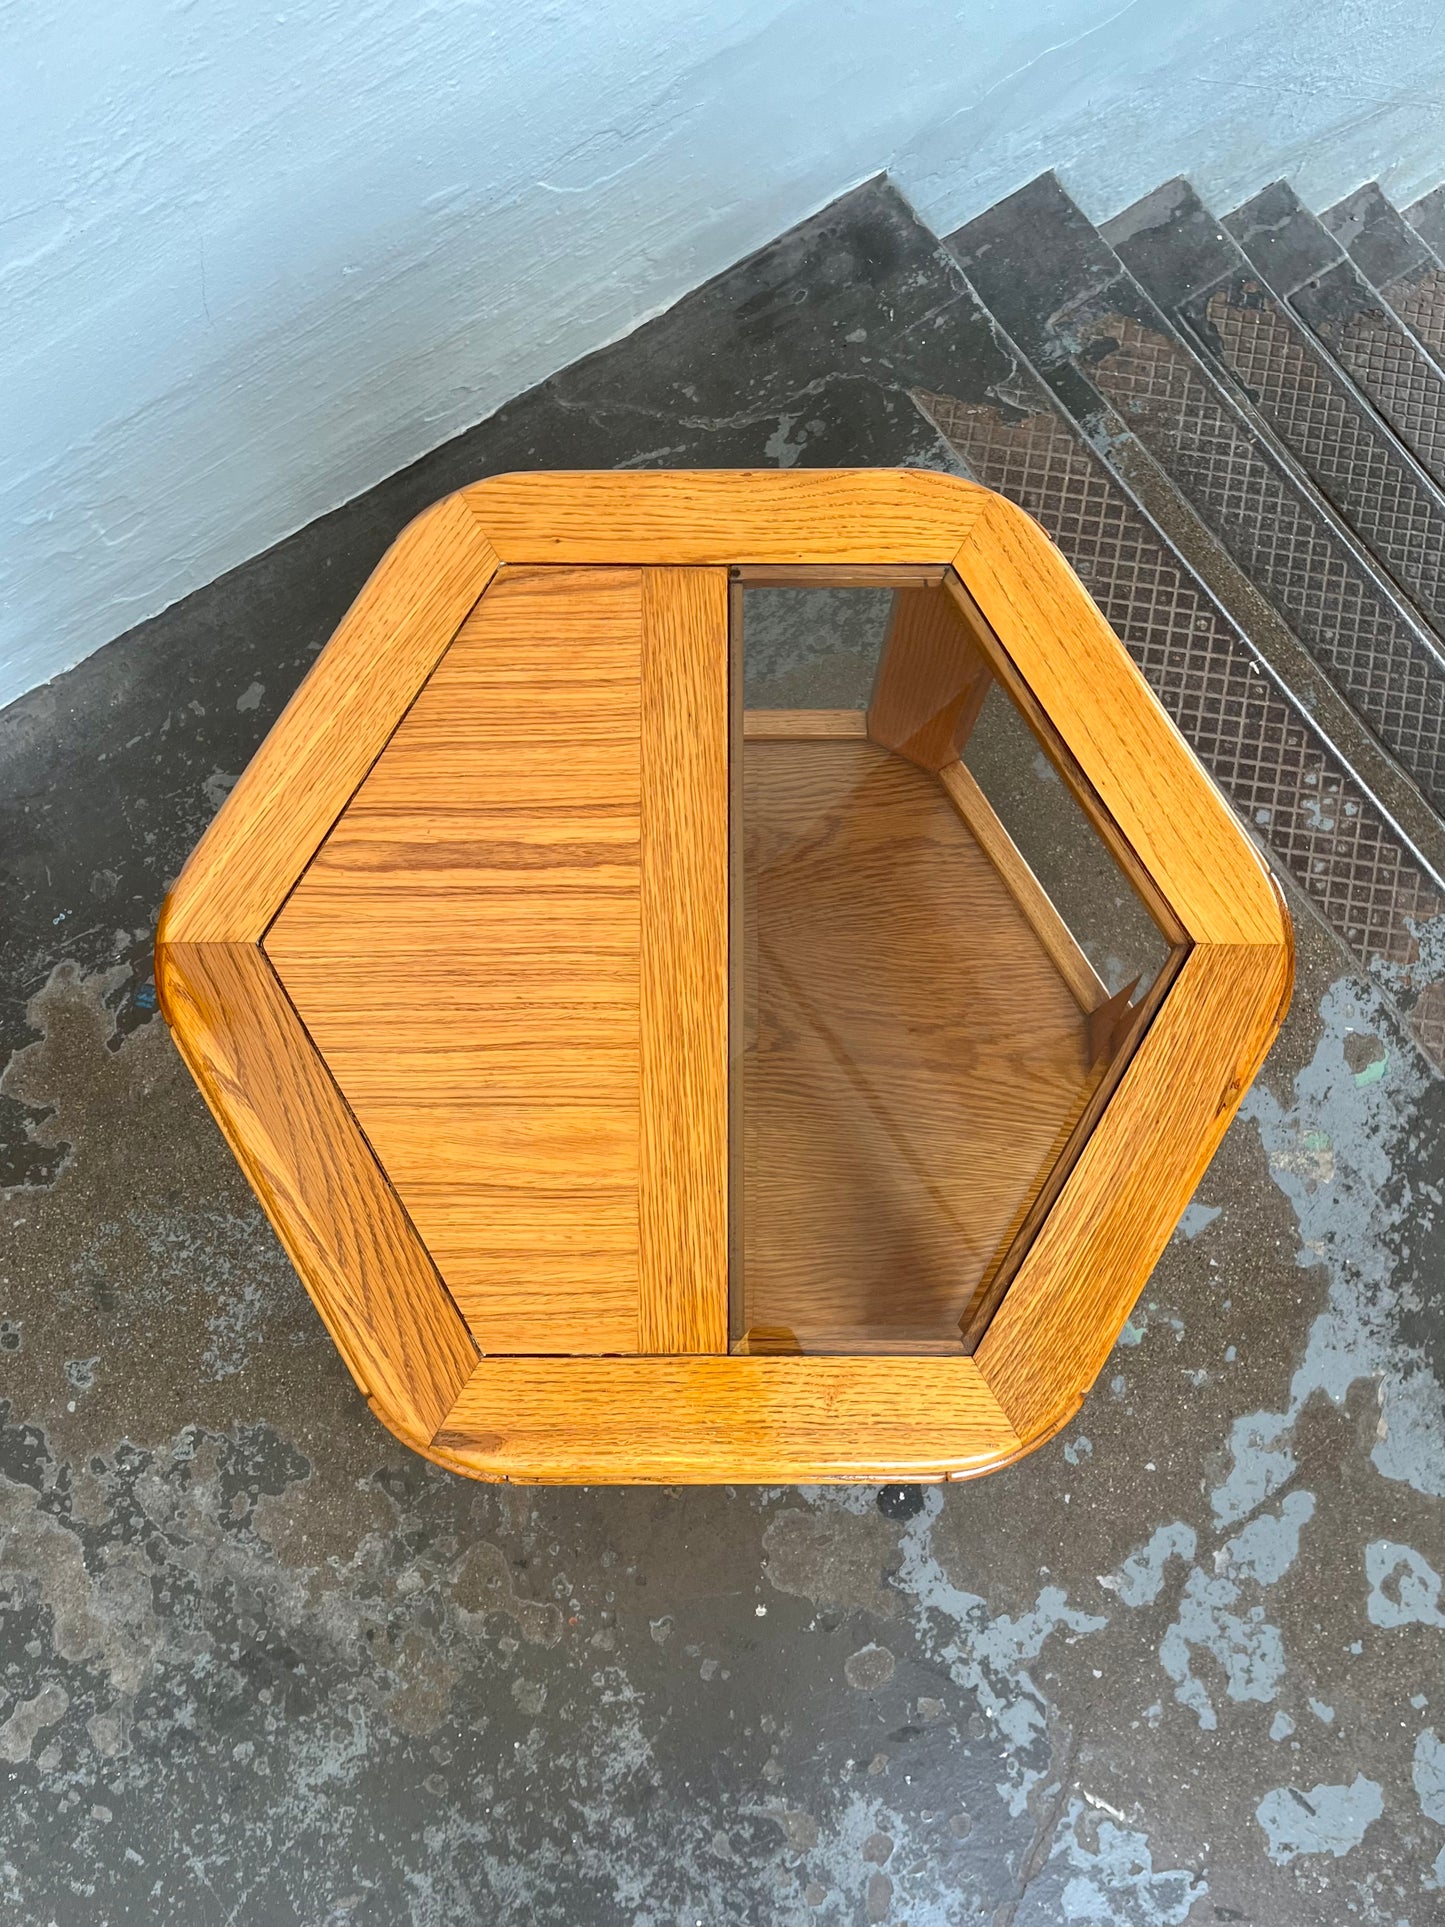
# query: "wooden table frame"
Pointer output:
{"type": "Point", "coordinates": [698, 1413]}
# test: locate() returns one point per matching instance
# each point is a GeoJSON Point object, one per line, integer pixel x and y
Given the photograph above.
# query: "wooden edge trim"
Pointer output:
{"type": "Point", "coordinates": [737, 973]}
{"type": "Point", "coordinates": [1171, 819]}
{"type": "Point", "coordinates": [1054, 1174]}
{"type": "Point", "coordinates": [1069, 769]}
{"type": "Point", "coordinates": [876, 575]}
{"type": "Point", "coordinates": [1132, 1180]}
{"type": "Point", "coordinates": [738, 1419]}
{"type": "Point", "coordinates": [682, 1303]}
{"type": "Point", "coordinates": [1064, 1416]}
{"type": "Point", "coordinates": [840, 518]}
{"type": "Point", "coordinates": [1086, 985]}
{"type": "Point", "coordinates": [1286, 992]}
{"type": "Point", "coordinates": [343, 1227]}
{"type": "Point", "coordinates": [805, 725]}
{"type": "Point", "coordinates": [332, 730]}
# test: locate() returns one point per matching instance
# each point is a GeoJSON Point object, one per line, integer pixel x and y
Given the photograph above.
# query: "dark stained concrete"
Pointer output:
{"type": "Point", "coordinates": [259, 1665]}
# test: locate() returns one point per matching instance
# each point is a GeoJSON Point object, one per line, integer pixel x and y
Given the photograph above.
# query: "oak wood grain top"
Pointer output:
{"type": "Point", "coordinates": [481, 894]}
{"type": "Point", "coordinates": [727, 516]}
{"type": "Point", "coordinates": [1133, 1179]}
{"type": "Point", "coordinates": [683, 987]}
{"type": "Point", "coordinates": [331, 731]}
{"type": "Point", "coordinates": [499, 905]}
{"type": "Point", "coordinates": [708, 1420]}
{"type": "Point", "coordinates": [356, 1250]}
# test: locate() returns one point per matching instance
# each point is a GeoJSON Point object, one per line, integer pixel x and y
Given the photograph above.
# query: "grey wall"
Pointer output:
{"type": "Point", "coordinates": [253, 260]}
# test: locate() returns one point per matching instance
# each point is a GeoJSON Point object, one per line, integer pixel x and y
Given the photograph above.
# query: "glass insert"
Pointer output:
{"type": "Point", "coordinates": [943, 968]}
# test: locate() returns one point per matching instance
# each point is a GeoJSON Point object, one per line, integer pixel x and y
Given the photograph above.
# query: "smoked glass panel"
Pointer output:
{"type": "Point", "coordinates": [941, 967]}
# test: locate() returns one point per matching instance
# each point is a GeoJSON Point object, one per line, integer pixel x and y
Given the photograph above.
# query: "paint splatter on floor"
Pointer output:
{"type": "Point", "coordinates": [259, 1665]}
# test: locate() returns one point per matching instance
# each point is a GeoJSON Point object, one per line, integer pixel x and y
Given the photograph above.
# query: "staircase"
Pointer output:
{"type": "Point", "coordinates": [1235, 430]}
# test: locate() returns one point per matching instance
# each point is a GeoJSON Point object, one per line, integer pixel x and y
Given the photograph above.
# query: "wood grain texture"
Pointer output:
{"type": "Point", "coordinates": [484, 830]}
{"type": "Point", "coordinates": [1133, 1179]}
{"type": "Point", "coordinates": [737, 972]}
{"type": "Point", "coordinates": [1023, 886]}
{"type": "Point", "coordinates": [357, 1253]}
{"type": "Point", "coordinates": [331, 731]}
{"type": "Point", "coordinates": [465, 949]}
{"type": "Point", "coordinates": [1103, 1080]}
{"type": "Point", "coordinates": [915, 575]}
{"type": "Point", "coordinates": [683, 1023]}
{"type": "Point", "coordinates": [706, 1420]}
{"type": "Point", "coordinates": [1111, 1022]}
{"type": "Point", "coordinates": [932, 680]}
{"type": "Point", "coordinates": [1031, 1210]}
{"type": "Point", "coordinates": [1069, 769]}
{"type": "Point", "coordinates": [816, 517]}
{"type": "Point", "coordinates": [1178, 826]}
{"type": "Point", "coordinates": [804, 725]}
{"type": "Point", "coordinates": [911, 1051]}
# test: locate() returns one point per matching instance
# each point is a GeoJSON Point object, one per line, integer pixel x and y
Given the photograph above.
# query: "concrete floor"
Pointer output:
{"type": "Point", "coordinates": [262, 1666]}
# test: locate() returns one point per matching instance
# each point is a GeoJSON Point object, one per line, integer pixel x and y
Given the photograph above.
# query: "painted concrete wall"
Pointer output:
{"type": "Point", "coordinates": [254, 259]}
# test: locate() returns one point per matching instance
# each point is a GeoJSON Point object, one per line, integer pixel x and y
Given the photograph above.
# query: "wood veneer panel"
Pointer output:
{"type": "Point", "coordinates": [331, 731]}
{"type": "Point", "coordinates": [815, 517]}
{"type": "Point", "coordinates": [1023, 886]}
{"type": "Point", "coordinates": [1133, 1178]}
{"type": "Point", "coordinates": [465, 949]}
{"type": "Point", "coordinates": [932, 680]}
{"type": "Point", "coordinates": [683, 1024]}
{"type": "Point", "coordinates": [912, 1050]}
{"type": "Point", "coordinates": [707, 1420]}
{"type": "Point", "coordinates": [357, 1253]}
{"type": "Point", "coordinates": [1173, 819]}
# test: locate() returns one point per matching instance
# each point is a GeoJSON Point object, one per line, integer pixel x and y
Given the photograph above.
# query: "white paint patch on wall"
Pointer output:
{"type": "Point", "coordinates": [252, 261]}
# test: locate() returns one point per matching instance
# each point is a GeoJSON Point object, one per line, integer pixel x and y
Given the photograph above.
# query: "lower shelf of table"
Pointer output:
{"type": "Point", "coordinates": [913, 1059]}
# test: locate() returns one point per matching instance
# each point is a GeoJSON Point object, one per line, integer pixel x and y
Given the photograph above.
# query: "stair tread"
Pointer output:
{"type": "Point", "coordinates": [1427, 217]}
{"type": "Point", "coordinates": [1121, 370]}
{"type": "Point", "coordinates": [1201, 277]}
{"type": "Point", "coordinates": [1356, 322]}
{"type": "Point", "coordinates": [1303, 802]}
{"type": "Point", "coordinates": [1395, 259]}
{"type": "Point", "coordinates": [1377, 238]}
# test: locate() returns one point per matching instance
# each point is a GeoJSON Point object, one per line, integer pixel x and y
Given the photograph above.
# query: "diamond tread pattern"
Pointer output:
{"type": "Point", "coordinates": [1402, 382]}
{"type": "Point", "coordinates": [1346, 451]}
{"type": "Point", "coordinates": [1290, 553]}
{"type": "Point", "coordinates": [1278, 775]}
{"type": "Point", "coordinates": [1419, 300]}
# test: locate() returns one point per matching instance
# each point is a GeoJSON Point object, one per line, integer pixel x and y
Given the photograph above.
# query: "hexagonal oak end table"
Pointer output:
{"type": "Point", "coordinates": [650, 1084]}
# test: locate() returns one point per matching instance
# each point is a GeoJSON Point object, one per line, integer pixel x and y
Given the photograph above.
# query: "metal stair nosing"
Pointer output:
{"type": "Point", "coordinates": [1300, 398]}
{"type": "Point", "coordinates": [1307, 268]}
{"type": "Point", "coordinates": [1295, 788]}
{"type": "Point", "coordinates": [1395, 260]}
{"type": "Point", "coordinates": [1375, 235]}
{"type": "Point", "coordinates": [1117, 365]}
{"type": "Point", "coordinates": [1427, 217]}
